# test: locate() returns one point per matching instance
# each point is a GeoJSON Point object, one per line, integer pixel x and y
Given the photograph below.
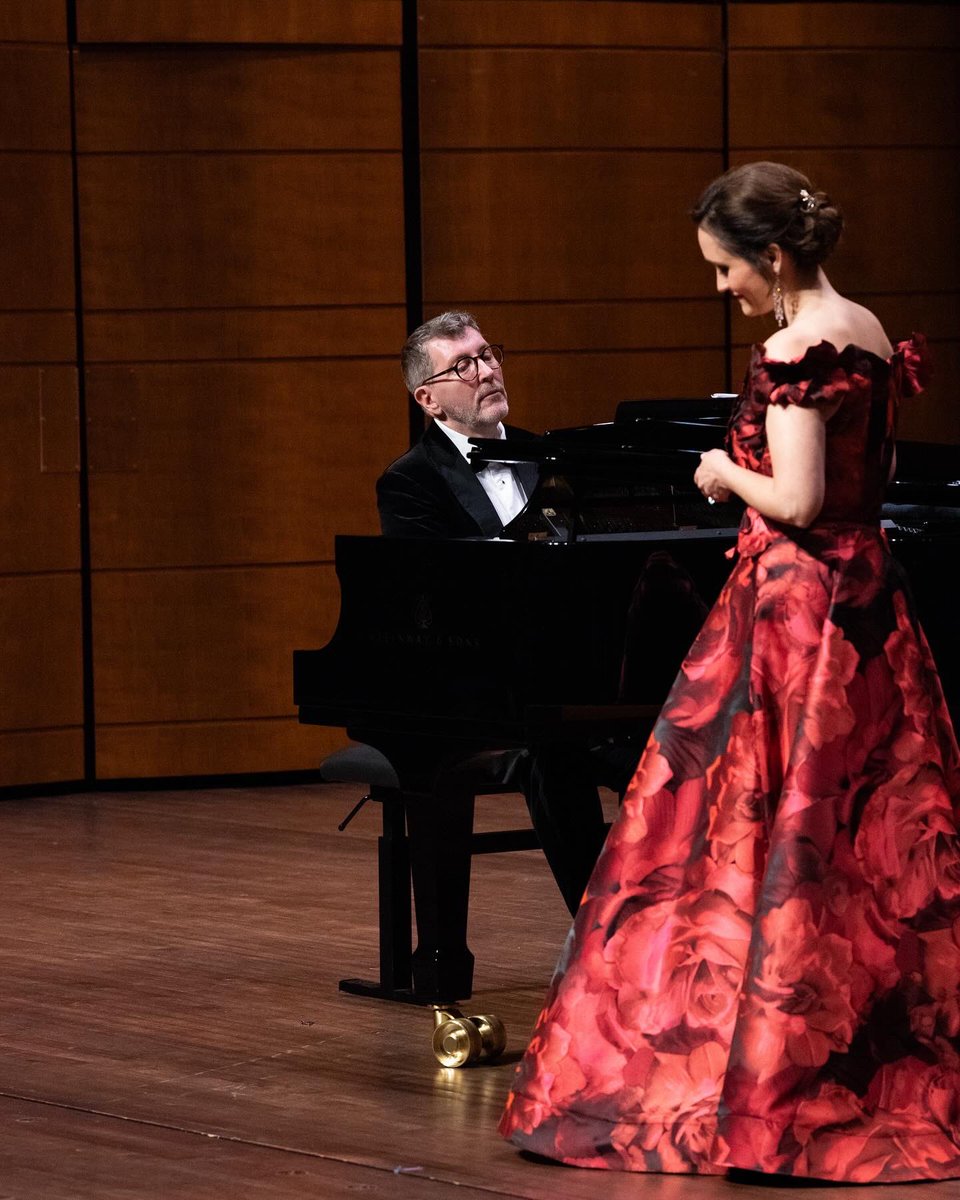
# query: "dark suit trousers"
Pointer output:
{"type": "Point", "coordinates": [561, 794]}
{"type": "Point", "coordinates": [559, 784]}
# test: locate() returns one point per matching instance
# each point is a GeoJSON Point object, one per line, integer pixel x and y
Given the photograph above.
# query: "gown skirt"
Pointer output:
{"type": "Point", "coordinates": [765, 970]}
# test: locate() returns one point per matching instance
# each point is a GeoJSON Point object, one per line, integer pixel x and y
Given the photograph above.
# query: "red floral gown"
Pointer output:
{"type": "Point", "coordinates": [765, 969]}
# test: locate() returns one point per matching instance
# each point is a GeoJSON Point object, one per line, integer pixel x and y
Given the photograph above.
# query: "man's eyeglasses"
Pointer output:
{"type": "Point", "coordinates": [467, 367]}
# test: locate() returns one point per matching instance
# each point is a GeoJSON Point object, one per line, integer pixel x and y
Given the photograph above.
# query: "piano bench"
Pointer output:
{"type": "Point", "coordinates": [424, 853]}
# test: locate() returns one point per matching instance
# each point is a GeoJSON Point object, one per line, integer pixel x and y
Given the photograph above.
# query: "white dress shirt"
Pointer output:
{"type": "Point", "coordinates": [497, 479]}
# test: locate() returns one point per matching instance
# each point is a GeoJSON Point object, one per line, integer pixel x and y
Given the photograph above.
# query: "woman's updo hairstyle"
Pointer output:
{"type": "Point", "coordinates": [750, 207]}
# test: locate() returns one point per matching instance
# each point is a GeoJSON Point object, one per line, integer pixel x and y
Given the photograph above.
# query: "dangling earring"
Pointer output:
{"type": "Point", "coordinates": [778, 311]}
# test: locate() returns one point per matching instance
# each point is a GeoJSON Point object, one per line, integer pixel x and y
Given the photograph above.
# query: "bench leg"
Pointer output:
{"type": "Point", "coordinates": [393, 893]}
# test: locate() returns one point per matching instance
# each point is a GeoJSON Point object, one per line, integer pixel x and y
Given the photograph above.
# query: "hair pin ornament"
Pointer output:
{"type": "Point", "coordinates": [808, 203]}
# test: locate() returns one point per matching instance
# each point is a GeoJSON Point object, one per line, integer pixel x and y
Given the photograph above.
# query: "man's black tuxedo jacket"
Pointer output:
{"type": "Point", "coordinates": [432, 491]}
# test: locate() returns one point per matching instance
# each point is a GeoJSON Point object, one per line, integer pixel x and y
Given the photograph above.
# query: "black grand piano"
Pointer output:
{"type": "Point", "coordinates": [570, 626]}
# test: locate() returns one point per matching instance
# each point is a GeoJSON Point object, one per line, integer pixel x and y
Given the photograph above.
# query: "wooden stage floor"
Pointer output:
{"type": "Point", "coordinates": [171, 1025]}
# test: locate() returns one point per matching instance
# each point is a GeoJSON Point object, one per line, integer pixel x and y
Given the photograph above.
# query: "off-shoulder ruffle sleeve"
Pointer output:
{"type": "Point", "coordinates": [819, 379]}
{"type": "Point", "coordinates": [915, 365]}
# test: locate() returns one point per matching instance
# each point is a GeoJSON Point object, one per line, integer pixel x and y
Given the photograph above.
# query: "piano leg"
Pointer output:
{"type": "Point", "coordinates": [440, 828]}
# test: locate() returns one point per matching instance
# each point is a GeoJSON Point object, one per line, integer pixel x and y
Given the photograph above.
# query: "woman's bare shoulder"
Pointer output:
{"type": "Point", "coordinates": [864, 330]}
{"type": "Point", "coordinates": [841, 325]}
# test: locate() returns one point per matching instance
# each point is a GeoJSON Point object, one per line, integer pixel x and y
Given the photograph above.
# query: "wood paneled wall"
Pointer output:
{"type": "Point", "coordinates": [556, 181]}
{"type": "Point", "coordinates": [41, 659]}
{"type": "Point", "coordinates": [865, 98]}
{"type": "Point", "coordinates": [239, 207]}
{"type": "Point", "coordinates": [243, 293]}
{"type": "Point", "coordinates": [571, 137]}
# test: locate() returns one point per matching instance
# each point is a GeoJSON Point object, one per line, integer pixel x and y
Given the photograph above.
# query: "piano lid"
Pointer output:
{"type": "Point", "coordinates": [628, 477]}
{"type": "Point", "coordinates": [635, 474]}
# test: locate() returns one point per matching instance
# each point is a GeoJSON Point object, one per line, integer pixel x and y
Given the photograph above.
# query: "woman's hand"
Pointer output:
{"type": "Point", "coordinates": [710, 476]}
{"type": "Point", "coordinates": [793, 493]}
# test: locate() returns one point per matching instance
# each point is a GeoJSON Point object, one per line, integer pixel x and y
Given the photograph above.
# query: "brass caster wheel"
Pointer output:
{"type": "Point", "coordinates": [460, 1040]}
{"type": "Point", "coordinates": [456, 1039]}
{"type": "Point", "coordinates": [493, 1036]}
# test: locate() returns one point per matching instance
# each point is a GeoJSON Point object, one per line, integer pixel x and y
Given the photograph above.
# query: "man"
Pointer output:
{"type": "Point", "coordinates": [456, 377]}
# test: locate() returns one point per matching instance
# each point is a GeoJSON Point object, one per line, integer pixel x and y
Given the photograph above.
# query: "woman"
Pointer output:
{"type": "Point", "coordinates": [764, 973]}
